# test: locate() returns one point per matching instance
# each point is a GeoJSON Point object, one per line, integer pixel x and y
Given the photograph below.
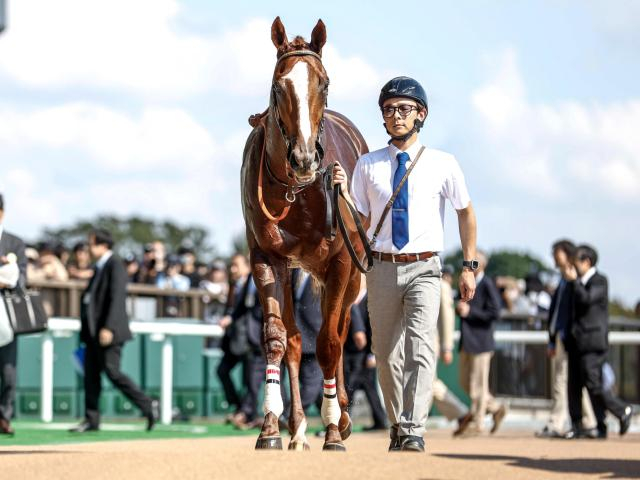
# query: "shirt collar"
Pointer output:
{"type": "Point", "coordinates": [479, 277]}
{"type": "Point", "coordinates": [412, 150]}
{"type": "Point", "coordinates": [104, 259]}
{"type": "Point", "coordinates": [587, 276]}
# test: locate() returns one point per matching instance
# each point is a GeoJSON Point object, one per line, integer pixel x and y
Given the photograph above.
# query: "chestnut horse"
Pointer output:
{"type": "Point", "coordinates": [287, 158]}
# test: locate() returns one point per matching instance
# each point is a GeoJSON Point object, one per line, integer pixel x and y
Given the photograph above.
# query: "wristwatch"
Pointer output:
{"type": "Point", "coordinates": [471, 264]}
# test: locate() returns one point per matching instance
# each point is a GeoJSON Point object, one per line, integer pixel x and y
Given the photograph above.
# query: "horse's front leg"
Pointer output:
{"type": "Point", "coordinates": [270, 278]}
{"type": "Point", "coordinates": [341, 289]}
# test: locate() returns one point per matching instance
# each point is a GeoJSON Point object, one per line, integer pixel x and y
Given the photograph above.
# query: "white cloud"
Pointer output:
{"type": "Point", "coordinates": [562, 148]}
{"type": "Point", "coordinates": [160, 137]}
{"type": "Point", "coordinates": [134, 46]}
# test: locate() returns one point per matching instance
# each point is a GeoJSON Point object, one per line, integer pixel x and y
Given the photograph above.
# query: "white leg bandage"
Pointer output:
{"type": "Point", "coordinates": [300, 434]}
{"type": "Point", "coordinates": [330, 410]}
{"type": "Point", "coordinates": [272, 395]}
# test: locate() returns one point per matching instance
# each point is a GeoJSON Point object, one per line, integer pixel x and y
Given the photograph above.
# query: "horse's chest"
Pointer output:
{"type": "Point", "coordinates": [298, 236]}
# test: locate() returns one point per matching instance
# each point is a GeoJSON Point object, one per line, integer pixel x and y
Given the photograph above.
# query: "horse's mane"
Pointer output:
{"type": "Point", "coordinates": [298, 43]}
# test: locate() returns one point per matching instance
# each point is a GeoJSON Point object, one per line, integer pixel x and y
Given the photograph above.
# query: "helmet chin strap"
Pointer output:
{"type": "Point", "coordinates": [417, 125]}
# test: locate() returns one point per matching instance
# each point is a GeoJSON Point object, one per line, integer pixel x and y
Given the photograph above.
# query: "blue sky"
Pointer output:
{"type": "Point", "coordinates": [141, 107]}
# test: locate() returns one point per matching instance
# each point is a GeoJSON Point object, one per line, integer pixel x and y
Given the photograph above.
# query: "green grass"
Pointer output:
{"type": "Point", "coordinates": [35, 433]}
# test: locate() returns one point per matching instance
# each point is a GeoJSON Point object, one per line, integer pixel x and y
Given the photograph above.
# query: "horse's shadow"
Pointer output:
{"type": "Point", "coordinates": [615, 468]}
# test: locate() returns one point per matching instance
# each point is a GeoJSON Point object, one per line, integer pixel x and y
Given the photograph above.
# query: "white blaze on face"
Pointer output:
{"type": "Point", "coordinates": [299, 76]}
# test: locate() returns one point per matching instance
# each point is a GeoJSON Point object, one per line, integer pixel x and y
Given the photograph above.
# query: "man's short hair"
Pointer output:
{"type": "Point", "coordinates": [1, 202]}
{"type": "Point", "coordinates": [80, 246]}
{"type": "Point", "coordinates": [587, 252]}
{"type": "Point", "coordinates": [102, 237]}
{"type": "Point", "coordinates": [566, 246]}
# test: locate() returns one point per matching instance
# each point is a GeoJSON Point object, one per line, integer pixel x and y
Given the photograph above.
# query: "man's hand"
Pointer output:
{"type": "Point", "coordinates": [3, 285]}
{"type": "Point", "coordinates": [463, 309]}
{"type": "Point", "coordinates": [569, 272]}
{"type": "Point", "coordinates": [105, 337]}
{"type": "Point", "coordinates": [447, 356]}
{"type": "Point", "coordinates": [225, 321]}
{"type": "Point", "coordinates": [370, 362]}
{"type": "Point", "coordinates": [467, 285]}
{"type": "Point", "coordinates": [360, 339]}
{"type": "Point", "coordinates": [340, 177]}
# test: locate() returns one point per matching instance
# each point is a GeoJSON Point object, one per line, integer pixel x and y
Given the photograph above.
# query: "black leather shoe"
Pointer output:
{"type": "Point", "coordinates": [83, 428]}
{"type": "Point", "coordinates": [5, 428]}
{"type": "Point", "coordinates": [154, 414]}
{"type": "Point", "coordinates": [625, 420]}
{"type": "Point", "coordinates": [394, 445]}
{"type": "Point", "coordinates": [581, 433]}
{"type": "Point", "coordinates": [547, 432]}
{"type": "Point", "coordinates": [411, 443]}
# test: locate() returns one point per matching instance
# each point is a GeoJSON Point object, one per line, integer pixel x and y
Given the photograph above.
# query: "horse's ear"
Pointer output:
{"type": "Point", "coordinates": [278, 34]}
{"type": "Point", "coordinates": [318, 37]}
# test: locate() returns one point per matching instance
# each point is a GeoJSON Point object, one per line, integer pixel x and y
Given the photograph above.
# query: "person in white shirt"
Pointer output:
{"type": "Point", "coordinates": [404, 284]}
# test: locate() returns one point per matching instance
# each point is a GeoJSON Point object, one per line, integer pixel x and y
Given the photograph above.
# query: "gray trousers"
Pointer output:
{"type": "Point", "coordinates": [446, 402]}
{"type": "Point", "coordinates": [404, 302]}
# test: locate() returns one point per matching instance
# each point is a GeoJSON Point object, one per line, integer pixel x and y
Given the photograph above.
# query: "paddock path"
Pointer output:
{"type": "Point", "coordinates": [512, 455]}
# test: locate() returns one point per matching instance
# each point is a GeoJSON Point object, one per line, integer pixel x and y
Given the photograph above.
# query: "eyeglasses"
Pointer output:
{"type": "Point", "coordinates": [404, 110]}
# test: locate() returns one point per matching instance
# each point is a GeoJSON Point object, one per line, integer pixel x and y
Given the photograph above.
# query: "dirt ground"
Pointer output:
{"type": "Point", "coordinates": [512, 455]}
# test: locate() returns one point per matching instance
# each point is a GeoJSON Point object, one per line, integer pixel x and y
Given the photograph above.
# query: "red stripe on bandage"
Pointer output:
{"type": "Point", "coordinates": [274, 372]}
{"type": "Point", "coordinates": [329, 385]}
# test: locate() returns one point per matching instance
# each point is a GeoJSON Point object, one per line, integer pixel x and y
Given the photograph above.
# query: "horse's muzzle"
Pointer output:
{"type": "Point", "coordinates": [304, 164]}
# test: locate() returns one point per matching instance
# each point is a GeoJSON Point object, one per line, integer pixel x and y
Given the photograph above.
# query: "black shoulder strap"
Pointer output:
{"type": "Point", "coordinates": [389, 204]}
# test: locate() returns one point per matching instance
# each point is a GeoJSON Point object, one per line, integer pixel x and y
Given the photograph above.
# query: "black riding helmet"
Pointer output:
{"type": "Point", "coordinates": [404, 87]}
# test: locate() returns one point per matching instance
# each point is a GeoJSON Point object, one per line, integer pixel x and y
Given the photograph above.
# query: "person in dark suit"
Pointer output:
{"type": "Point", "coordinates": [359, 361]}
{"type": "Point", "coordinates": [476, 349]}
{"type": "Point", "coordinates": [560, 315]}
{"type": "Point", "coordinates": [105, 329]}
{"type": "Point", "coordinates": [588, 345]}
{"type": "Point", "coordinates": [242, 344]}
{"type": "Point", "coordinates": [11, 251]}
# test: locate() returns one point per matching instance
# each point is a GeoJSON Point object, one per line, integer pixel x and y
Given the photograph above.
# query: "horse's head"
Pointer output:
{"type": "Point", "coordinates": [298, 98]}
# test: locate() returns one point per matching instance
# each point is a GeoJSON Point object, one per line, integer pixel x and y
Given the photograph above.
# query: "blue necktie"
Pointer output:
{"type": "Point", "coordinates": [400, 212]}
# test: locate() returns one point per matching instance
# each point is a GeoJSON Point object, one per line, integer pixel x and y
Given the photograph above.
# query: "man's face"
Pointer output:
{"type": "Point", "coordinates": [96, 250]}
{"type": "Point", "coordinates": [582, 266]}
{"type": "Point", "coordinates": [399, 124]}
{"type": "Point", "coordinates": [560, 258]}
{"type": "Point", "coordinates": [239, 268]}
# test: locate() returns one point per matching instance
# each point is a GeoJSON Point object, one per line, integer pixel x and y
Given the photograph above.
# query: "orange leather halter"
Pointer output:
{"type": "Point", "coordinates": [264, 208]}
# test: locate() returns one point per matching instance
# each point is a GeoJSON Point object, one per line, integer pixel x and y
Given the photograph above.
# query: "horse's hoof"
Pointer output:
{"type": "Point", "coordinates": [299, 446]}
{"type": "Point", "coordinates": [269, 443]}
{"type": "Point", "coordinates": [344, 434]}
{"type": "Point", "coordinates": [334, 447]}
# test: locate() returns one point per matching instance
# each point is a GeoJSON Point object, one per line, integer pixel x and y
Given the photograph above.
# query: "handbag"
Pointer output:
{"type": "Point", "coordinates": [25, 311]}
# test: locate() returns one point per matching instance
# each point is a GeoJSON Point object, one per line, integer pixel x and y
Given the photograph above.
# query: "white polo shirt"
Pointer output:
{"type": "Point", "coordinates": [436, 177]}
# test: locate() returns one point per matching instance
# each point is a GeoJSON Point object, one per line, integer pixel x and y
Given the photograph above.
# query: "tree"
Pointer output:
{"type": "Point", "coordinates": [130, 234]}
{"type": "Point", "coordinates": [504, 263]}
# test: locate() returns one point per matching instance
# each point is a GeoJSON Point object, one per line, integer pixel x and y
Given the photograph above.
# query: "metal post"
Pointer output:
{"type": "Point", "coordinates": [167, 380]}
{"type": "Point", "coordinates": [3, 15]}
{"type": "Point", "coordinates": [46, 388]}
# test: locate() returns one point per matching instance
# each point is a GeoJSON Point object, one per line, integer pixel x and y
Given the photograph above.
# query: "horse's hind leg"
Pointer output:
{"type": "Point", "coordinates": [297, 419]}
{"type": "Point", "coordinates": [270, 279]}
{"type": "Point", "coordinates": [350, 295]}
{"type": "Point", "coordinates": [341, 288]}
